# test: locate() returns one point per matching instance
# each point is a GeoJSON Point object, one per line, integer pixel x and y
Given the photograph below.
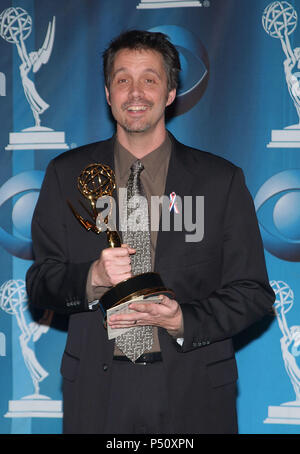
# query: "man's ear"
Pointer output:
{"type": "Point", "coordinates": [171, 97]}
{"type": "Point", "coordinates": [107, 95]}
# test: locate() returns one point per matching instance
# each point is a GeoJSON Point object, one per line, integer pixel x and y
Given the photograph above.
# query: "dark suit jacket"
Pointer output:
{"type": "Point", "coordinates": [220, 282]}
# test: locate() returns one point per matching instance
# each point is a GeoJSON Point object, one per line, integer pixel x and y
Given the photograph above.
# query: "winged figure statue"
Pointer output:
{"type": "Point", "coordinates": [31, 63]}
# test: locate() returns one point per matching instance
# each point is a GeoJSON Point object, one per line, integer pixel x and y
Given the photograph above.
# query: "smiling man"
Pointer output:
{"type": "Point", "coordinates": [138, 94]}
{"type": "Point", "coordinates": [175, 372]}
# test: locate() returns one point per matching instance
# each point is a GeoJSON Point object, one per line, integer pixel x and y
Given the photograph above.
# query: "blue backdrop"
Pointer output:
{"type": "Point", "coordinates": [238, 98]}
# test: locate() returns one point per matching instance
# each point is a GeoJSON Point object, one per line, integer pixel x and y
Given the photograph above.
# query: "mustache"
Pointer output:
{"type": "Point", "coordinates": [138, 102]}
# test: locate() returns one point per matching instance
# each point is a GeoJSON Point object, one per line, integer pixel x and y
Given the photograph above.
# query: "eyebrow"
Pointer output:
{"type": "Point", "coordinates": [151, 70]}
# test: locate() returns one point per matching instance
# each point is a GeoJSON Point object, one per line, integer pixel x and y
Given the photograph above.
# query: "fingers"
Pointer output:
{"type": "Point", "coordinates": [123, 251]}
{"type": "Point", "coordinates": [130, 249]}
{"type": "Point", "coordinates": [117, 264]}
{"type": "Point", "coordinates": [154, 307]}
{"type": "Point", "coordinates": [148, 313]}
{"type": "Point", "coordinates": [131, 318]}
{"type": "Point", "coordinates": [127, 322]}
{"type": "Point", "coordinates": [113, 266]}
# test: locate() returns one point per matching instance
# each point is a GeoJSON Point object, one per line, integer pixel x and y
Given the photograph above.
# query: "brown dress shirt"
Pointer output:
{"type": "Point", "coordinates": [153, 179]}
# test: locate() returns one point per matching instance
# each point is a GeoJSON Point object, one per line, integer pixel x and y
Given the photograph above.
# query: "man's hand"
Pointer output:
{"type": "Point", "coordinates": [112, 267]}
{"type": "Point", "coordinates": [165, 314]}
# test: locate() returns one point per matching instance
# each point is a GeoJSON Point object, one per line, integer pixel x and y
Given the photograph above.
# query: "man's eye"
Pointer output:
{"type": "Point", "coordinates": [150, 81]}
{"type": "Point", "coordinates": [122, 81]}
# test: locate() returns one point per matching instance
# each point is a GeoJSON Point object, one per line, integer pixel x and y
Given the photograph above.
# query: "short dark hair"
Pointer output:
{"type": "Point", "coordinates": [144, 40]}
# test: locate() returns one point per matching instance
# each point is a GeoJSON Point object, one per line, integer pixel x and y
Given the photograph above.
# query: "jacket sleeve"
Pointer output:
{"type": "Point", "coordinates": [244, 295]}
{"type": "Point", "coordinates": [53, 282]}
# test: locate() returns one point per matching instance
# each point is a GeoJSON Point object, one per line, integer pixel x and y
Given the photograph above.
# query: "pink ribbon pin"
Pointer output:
{"type": "Point", "coordinates": [172, 204]}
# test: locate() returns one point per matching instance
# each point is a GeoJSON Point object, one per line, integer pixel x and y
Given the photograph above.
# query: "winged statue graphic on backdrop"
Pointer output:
{"type": "Point", "coordinates": [31, 63]}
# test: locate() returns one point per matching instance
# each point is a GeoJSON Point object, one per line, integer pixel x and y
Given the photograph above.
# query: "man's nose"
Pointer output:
{"type": "Point", "coordinates": [136, 88]}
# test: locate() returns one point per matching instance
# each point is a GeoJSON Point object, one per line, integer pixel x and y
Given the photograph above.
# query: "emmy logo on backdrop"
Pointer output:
{"type": "Point", "coordinates": [289, 412]}
{"type": "Point", "coordinates": [13, 301]}
{"type": "Point", "coordinates": [156, 4]}
{"type": "Point", "coordinates": [279, 21]}
{"type": "Point", "coordinates": [15, 27]}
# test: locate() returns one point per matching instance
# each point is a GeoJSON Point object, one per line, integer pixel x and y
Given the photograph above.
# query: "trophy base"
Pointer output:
{"type": "Point", "coordinates": [150, 4]}
{"type": "Point", "coordinates": [35, 406]}
{"type": "Point", "coordinates": [285, 138]}
{"type": "Point", "coordinates": [288, 413]}
{"type": "Point", "coordinates": [37, 138]}
{"type": "Point", "coordinates": [141, 285]}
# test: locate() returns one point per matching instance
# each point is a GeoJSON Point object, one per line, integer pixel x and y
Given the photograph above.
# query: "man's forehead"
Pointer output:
{"type": "Point", "coordinates": [139, 57]}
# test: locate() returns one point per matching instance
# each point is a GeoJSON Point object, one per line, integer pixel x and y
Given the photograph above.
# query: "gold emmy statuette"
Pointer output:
{"type": "Point", "coordinates": [95, 181]}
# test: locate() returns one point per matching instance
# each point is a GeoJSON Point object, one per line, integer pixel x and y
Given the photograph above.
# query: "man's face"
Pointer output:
{"type": "Point", "coordinates": [138, 91]}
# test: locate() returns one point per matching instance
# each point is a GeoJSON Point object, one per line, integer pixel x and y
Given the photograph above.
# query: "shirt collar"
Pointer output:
{"type": "Point", "coordinates": [152, 162]}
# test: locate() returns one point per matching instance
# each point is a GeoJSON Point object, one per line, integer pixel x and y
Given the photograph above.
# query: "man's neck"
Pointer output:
{"type": "Point", "coordinates": [140, 144]}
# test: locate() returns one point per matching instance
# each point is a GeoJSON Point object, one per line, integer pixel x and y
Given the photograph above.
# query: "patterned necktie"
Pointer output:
{"type": "Point", "coordinates": [139, 339]}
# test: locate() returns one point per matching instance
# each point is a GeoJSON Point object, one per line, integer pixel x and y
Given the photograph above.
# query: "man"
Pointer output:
{"type": "Point", "coordinates": [186, 381]}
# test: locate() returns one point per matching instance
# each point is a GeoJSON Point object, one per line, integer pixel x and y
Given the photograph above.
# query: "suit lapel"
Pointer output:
{"type": "Point", "coordinates": [179, 182]}
{"type": "Point", "coordinates": [103, 153]}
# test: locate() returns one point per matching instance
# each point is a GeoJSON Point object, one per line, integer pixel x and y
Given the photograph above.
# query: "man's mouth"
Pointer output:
{"type": "Point", "coordinates": [137, 108]}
